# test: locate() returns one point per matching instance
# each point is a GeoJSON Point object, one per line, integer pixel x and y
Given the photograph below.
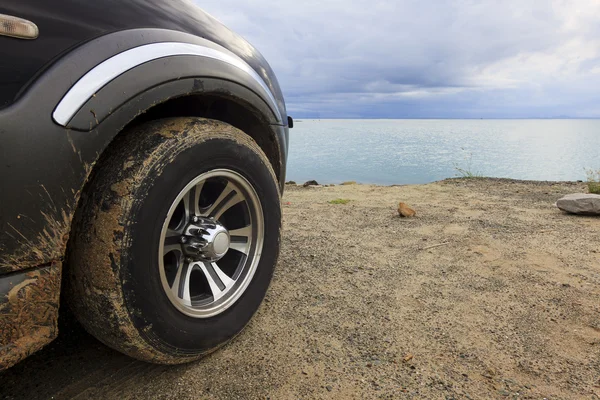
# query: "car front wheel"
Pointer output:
{"type": "Point", "coordinates": [176, 239]}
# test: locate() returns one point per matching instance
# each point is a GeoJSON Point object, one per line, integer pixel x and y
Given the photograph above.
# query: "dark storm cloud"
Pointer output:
{"type": "Point", "coordinates": [510, 58]}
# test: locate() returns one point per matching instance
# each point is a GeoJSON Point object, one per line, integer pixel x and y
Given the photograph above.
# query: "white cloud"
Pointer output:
{"type": "Point", "coordinates": [460, 58]}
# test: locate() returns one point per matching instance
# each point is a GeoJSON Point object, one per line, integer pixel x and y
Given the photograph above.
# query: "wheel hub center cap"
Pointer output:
{"type": "Point", "coordinates": [220, 243]}
{"type": "Point", "coordinates": [205, 239]}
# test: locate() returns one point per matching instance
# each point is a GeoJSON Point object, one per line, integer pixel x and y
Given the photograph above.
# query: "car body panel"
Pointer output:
{"type": "Point", "coordinates": [66, 24]}
{"type": "Point", "coordinates": [32, 142]}
{"type": "Point", "coordinates": [45, 165]}
{"type": "Point", "coordinates": [28, 312]}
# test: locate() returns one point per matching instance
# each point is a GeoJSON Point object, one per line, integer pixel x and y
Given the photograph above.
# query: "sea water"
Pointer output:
{"type": "Point", "coordinates": [420, 151]}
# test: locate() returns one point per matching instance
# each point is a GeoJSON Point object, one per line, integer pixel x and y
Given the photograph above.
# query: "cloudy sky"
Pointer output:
{"type": "Point", "coordinates": [426, 58]}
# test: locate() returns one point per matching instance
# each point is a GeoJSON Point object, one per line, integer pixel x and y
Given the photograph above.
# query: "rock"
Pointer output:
{"type": "Point", "coordinates": [580, 203]}
{"type": "Point", "coordinates": [310, 183]}
{"type": "Point", "coordinates": [408, 357]}
{"type": "Point", "coordinates": [405, 211]}
{"type": "Point", "coordinates": [290, 183]}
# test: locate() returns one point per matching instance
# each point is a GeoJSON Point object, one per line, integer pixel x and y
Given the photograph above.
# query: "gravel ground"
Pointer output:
{"type": "Point", "coordinates": [489, 292]}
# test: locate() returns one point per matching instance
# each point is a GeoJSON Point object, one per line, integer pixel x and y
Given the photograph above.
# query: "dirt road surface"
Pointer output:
{"type": "Point", "coordinates": [489, 292]}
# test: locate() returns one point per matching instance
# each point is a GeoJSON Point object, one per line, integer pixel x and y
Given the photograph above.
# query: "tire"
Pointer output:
{"type": "Point", "coordinates": [127, 245]}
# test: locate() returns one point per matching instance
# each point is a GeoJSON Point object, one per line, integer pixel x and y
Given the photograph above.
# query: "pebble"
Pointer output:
{"type": "Point", "coordinates": [405, 211]}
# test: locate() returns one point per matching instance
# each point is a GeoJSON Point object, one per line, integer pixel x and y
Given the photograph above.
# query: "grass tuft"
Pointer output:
{"type": "Point", "coordinates": [593, 180]}
{"type": "Point", "coordinates": [467, 171]}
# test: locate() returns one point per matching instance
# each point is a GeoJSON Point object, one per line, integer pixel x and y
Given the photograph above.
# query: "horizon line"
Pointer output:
{"type": "Point", "coordinates": [473, 118]}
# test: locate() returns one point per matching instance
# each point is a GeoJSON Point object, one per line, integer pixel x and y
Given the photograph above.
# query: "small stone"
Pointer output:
{"type": "Point", "coordinates": [488, 374]}
{"type": "Point", "coordinates": [329, 388]}
{"type": "Point", "coordinates": [405, 211]}
{"type": "Point", "coordinates": [310, 183]}
{"type": "Point", "coordinates": [408, 357]}
{"type": "Point", "coordinates": [580, 203]}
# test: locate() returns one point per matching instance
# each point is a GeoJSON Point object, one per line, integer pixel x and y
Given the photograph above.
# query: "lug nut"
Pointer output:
{"type": "Point", "coordinates": [195, 219]}
{"type": "Point", "coordinates": [183, 239]}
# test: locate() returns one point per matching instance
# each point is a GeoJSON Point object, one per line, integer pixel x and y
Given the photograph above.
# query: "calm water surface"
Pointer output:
{"type": "Point", "coordinates": [420, 151]}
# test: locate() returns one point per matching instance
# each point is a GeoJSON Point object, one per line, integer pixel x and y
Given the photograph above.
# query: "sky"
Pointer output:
{"type": "Point", "coordinates": [426, 58]}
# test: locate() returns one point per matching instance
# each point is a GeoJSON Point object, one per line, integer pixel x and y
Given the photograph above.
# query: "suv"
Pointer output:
{"type": "Point", "coordinates": [143, 148]}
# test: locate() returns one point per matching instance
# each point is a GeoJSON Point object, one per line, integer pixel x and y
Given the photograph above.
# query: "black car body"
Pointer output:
{"type": "Point", "coordinates": [97, 68]}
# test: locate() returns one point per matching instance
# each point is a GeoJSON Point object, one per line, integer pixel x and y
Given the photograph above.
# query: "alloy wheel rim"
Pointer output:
{"type": "Point", "coordinates": [210, 243]}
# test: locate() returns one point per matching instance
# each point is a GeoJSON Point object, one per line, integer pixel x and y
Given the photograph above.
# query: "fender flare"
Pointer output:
{"type": "Point", "coordinates": [123, 76]}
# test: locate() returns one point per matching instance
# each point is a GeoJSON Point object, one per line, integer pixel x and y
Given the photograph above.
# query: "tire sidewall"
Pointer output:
{"type": "Point", "coordinates": [159, 322]}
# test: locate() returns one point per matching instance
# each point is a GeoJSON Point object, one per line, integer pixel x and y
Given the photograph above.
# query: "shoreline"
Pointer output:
{"type": "Point", "coordinates": [488, 292]}
{"type": "Point", "coordinates": [483, 178]}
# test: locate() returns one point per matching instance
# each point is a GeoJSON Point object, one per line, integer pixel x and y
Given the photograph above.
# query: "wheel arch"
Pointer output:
{"type": "Point", "coordinates": [171, 74]}
{"type": "Point", "coordinates": [221, 105]}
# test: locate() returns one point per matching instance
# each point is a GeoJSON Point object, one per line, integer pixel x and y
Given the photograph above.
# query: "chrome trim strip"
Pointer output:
{"type": "Point", "coordinates": [109, 69]}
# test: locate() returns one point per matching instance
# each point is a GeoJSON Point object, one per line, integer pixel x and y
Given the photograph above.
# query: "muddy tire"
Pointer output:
{"type": "Point", "coordinates": [175, 241]}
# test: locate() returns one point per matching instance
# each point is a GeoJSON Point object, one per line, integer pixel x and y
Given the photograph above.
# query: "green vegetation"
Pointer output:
{"type": "Point", "coordinates": [339, 201]}
{"type": "Point", "coordinates": [467, 171]}
{"type": "Point", "coordinates": [348, 183]}
{"type": "Point", "coordinates": [593, 180]}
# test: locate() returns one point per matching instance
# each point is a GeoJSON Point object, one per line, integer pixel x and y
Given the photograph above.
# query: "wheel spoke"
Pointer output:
{"type": "Point", "coordinates": [186, 205]}
{"type": "Point", "coordinates": [181, 284]}
{"type": "Point", "coordinates": [172, 242]}
{"type": "Point", "coordinates": [241, 235]}
{"type": "Point", "coordinates": [191, 201]}
{"type": "Point", "coordinates": [242, 247]}
{"type": "Point", "coordinates": [172, 234]}
{"type": "Point", "coordinates": [171, 247]}
{"type": "Point", "coordinates": [227, 199]}
{"type": "Point", "coordinates": [195, 197]}
{"type": "Point", "coordinates": [233, 200]}
{"type": "Point", "coordinates": [218, 281]}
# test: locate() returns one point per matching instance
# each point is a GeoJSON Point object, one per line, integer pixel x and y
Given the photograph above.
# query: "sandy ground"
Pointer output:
{"type": "Point", "coordinates": [364, 306]}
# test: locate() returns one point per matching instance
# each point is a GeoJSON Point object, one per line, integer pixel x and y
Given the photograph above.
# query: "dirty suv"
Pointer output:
{"type": "Point", "coordinates": [143, 148]}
